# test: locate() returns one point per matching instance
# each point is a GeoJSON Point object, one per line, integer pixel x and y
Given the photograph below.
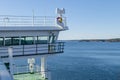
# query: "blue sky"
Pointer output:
{"type": "Point", "coordinates": [87, 19]}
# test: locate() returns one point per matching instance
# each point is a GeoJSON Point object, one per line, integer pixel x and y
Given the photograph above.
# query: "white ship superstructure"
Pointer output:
{"type": "Point", "coordinates": [30, 37]}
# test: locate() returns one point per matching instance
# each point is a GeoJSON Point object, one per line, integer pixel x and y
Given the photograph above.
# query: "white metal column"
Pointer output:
{"type": "Point", "coordinates": [43, 67]}
{"type": "Point", "coordinates": [10, 52]}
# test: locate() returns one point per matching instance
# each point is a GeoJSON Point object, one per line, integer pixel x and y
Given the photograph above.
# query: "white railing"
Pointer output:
{"type": "Point", "coordinates": [28, 20]}
{"type": "Point", "coordinates": [31, 50]}
{"type": "Point", "coordinates": [25, 69]}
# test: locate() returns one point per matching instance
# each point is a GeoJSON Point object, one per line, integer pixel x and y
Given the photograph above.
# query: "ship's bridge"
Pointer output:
{"type": "Point", "coordinates": [9, 22]}
{"type": "Point", "coordinates": [31, 35]}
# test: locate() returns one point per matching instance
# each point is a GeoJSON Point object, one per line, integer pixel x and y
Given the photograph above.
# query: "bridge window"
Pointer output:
{"type": "Point", "coordinates": [27, 40]}
{"type": "Point", "coordinates": [15, 40]}
{"type": "Point", "coordinates": [22, 40]}
{"type": "Point", "coordinates": [42, 40]}
{"type": "Point", "coordinates": [8, 41]}
{"type": "Point", "coordinates": [1, 41]}
{"type": "Point", "coordinates": [11, 41]}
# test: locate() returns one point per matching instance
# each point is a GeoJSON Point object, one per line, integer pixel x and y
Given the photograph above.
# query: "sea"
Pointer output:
{"type": "Point", "coordinates": [86, 61]}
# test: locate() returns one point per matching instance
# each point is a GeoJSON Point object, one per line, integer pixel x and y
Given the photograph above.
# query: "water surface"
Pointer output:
{"type": "Point", "coordinates": [87, 61]}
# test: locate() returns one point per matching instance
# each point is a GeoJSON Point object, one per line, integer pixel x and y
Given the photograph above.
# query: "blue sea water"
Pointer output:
{"type": "Point", "coordinates": [87, 61]}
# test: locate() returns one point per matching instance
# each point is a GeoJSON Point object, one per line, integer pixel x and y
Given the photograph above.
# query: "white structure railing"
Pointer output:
{"type": "Point", "coordinates": [28, 20]}
{"type": "Point", "coordinates": [30, 50]}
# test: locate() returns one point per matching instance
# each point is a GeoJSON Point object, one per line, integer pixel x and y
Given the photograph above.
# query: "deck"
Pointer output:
{"type": "Point", "coordinates": [29, 76]}
{"type": "Point", "coordinates": [23, 73]}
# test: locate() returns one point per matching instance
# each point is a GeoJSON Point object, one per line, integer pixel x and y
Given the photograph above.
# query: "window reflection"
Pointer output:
{"type": "Point", "coordinates": [27, 40]}
{"type": "Point", "coordinates": [42, 40]}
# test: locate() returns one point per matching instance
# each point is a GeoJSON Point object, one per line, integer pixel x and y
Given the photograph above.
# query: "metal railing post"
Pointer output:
{"type": "Point", "coordinates": [48, 47]}
{"type": "Point", "coordinates": [44, 20]}
{"type": "Point", "coordinates": [36, 49]}
{"type": "Point", "coordinates": [33, 18]}
{"type": "Point", "coordinates": [23, 49]}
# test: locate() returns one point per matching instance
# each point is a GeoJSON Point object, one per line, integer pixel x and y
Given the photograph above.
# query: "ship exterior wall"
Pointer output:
{"type": "Point", "coordinates": [27, 33]}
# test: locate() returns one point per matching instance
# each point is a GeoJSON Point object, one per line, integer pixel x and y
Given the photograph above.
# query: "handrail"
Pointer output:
{"type": "Point", "coordinates": [36, 49]}
{"type": "Point", "coordinates": [10, 20]}
{"type": "Point", "coordinates": [18, 69]}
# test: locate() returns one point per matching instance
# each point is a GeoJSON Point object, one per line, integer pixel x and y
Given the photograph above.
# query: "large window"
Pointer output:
{"type": "Point", "coordinates": [8, 41]}
{"type": "Point", "coordinates": [15, 40]}
{"type": "Point", "coordinates": [42, 40]}
{"type": "Point", "coordinates": [11, 41]}
{"type": "Point", "coordinates": [22, 39]}
{"type": "Point", "coordinates": [36, 39]}
{"type": "Point", "coordinates": [1, 42]}
{"type": "Point", "coordinates": [27, 40]}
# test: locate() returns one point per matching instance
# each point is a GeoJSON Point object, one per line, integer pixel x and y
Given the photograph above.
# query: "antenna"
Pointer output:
{"type": "Point", "coordinates": [60, 11]}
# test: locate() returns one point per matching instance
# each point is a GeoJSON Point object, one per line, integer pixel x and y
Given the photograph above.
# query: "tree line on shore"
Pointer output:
{"type": "Point", "coordinates": [101, 40]}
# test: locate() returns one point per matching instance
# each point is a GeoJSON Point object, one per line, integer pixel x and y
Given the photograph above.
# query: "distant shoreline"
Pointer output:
{"type": "Point", "coordinates": [101, 40]}
{"type": "Point", "coordinates": [98, 40]}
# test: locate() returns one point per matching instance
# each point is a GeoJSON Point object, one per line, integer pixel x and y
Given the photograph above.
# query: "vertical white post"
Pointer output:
{"type": "Point", "coordinates": [10, 52]}
{"type": "Point", "coordinates": [43, 67]}
{"type": "Point", "coordinates": [33, 18]}
{"type": "Point", "coordinates": [45, 20]}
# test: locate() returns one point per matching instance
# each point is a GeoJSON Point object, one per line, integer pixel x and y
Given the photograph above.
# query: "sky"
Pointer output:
{"type": "Point", "coordinates": [86, 19]}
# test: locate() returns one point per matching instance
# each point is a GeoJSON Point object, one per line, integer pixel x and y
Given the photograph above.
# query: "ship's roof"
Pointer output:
{"type": "Point", "coordinates": [31, 23]}
{"type": "Point", "coordinates": [19, 28]}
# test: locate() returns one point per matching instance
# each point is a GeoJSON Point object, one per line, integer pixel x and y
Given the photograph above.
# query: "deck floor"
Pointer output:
{"type": "Point", "coordinates": [28, 76]}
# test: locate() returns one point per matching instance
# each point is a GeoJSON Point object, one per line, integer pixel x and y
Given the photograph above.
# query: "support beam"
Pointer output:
{"type": "Point", "coordinates": [43, 67]}
{"type": "Point", "coordinates": [10, 52]}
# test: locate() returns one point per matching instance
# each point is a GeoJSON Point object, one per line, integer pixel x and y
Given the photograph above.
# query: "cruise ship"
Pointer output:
{"type": "Point", "coordinates": [29, 37]}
